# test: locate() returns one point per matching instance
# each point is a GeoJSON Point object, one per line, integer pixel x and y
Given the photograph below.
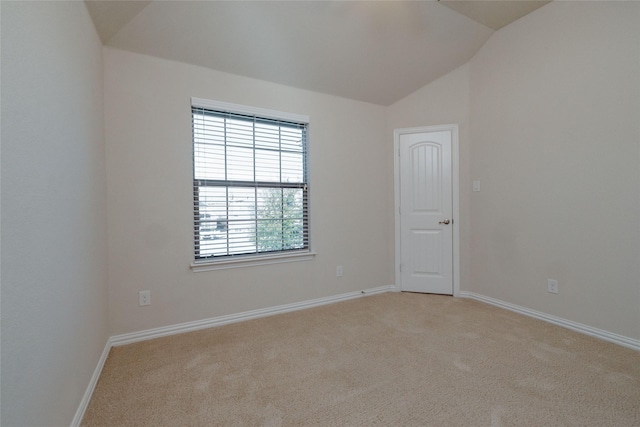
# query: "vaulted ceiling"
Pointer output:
{"type": "Point", "coordinates": [372, 51]}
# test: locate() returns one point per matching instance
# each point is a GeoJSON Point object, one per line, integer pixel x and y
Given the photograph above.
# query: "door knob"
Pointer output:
{"type": "Point", "coordinates": [445, 222]}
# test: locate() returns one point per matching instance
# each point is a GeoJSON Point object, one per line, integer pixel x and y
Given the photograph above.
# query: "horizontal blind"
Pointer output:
{"type": "Point", "coordinates": [250, 184]}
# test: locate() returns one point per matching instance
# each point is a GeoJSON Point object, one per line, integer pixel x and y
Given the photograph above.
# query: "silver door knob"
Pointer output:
{"type": "Point", "coordinates": [445, 222]}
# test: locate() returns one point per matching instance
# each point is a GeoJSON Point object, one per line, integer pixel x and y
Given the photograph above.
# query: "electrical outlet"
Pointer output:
{"type": "Point", "coordinates": [552, 286]}
{"type": "Point", "coordinates": [339, 271]}
{"type": "Point", "coordinates": [144, 298]}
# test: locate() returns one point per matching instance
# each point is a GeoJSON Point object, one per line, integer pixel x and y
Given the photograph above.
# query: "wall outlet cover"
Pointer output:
{"type": "Point", "coordinates": [144, 298]}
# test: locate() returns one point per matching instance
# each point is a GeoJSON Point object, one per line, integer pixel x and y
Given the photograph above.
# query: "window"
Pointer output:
{"type": "Point", "coordinates": [250, 182]}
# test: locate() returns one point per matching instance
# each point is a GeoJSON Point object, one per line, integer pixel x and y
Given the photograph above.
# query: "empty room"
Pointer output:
{"type": "Point", "coordinates": [336, 213]}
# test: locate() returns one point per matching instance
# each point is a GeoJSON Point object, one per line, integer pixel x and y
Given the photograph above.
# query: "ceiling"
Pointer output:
{"type": "Point", "coordinates": [372, 51]}
{"type": "Point", "coordinates": [494, 14]}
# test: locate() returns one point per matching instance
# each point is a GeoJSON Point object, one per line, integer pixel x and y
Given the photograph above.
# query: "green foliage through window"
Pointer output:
{"type": "Point", "coordinates": [280, 220]}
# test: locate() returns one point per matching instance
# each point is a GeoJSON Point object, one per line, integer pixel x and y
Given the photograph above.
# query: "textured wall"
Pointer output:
{"type": "Point", "coordinates": [549, 114]}
{"type": "Point", "coordinates": [54, 320]}
{"type": "Point", "coordinates": [148, 137]}
{"type": "Point", "coordinates": [555, 119]}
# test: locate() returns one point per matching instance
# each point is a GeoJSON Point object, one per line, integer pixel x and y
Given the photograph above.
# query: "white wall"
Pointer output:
{"type": "Point", "coordinates": [555, 119]}
{"type": "Point", "coordinates": [54, 319]}
{"type": "Point", "coordinates": [549, 114]}
{"type": "Point", "coordinates": [444, 101]}
{"type": "Point", "coordinates": [148, 137]}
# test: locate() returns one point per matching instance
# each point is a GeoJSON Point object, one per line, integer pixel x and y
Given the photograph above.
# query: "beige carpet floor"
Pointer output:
{"type": "Point", "coordinates": [395, 359]}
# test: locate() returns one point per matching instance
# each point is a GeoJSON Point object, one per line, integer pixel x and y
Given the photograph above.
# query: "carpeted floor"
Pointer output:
{"type": "Point", "coordinates": [396, 359]}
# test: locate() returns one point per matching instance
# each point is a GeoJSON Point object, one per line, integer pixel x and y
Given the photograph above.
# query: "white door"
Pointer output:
{"type": "Point", "coordinates": [426, 211]}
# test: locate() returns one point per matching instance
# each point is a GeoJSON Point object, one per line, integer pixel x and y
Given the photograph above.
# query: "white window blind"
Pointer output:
{"type": "Point", "coordinates": [250, 184]}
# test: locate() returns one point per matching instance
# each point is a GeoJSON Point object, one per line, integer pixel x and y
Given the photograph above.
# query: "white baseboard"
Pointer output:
{"type": "Point", "coordinates": [84, 403]}
{"type": "Point", "coordinates": [148, 334]}
{"type": "Point", "coordinates": [578, 327]}
{"type": "Point", "coordinates": [239, 317]}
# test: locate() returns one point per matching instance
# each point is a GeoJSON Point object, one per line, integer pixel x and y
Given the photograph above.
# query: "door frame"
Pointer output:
{"type": "Point", "coordinates": [455, 183]}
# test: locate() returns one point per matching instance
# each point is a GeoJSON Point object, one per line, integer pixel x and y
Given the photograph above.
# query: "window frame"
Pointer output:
{"type": "Point", "coordinates": [257, 258]}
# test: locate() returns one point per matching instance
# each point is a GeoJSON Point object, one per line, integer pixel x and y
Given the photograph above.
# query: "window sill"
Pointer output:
{"type": "Point", "coordinates": [250, 261]}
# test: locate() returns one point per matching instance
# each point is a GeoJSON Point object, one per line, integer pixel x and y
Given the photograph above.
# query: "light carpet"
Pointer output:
{"type": "Point", "coordinates": [396, 359]}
